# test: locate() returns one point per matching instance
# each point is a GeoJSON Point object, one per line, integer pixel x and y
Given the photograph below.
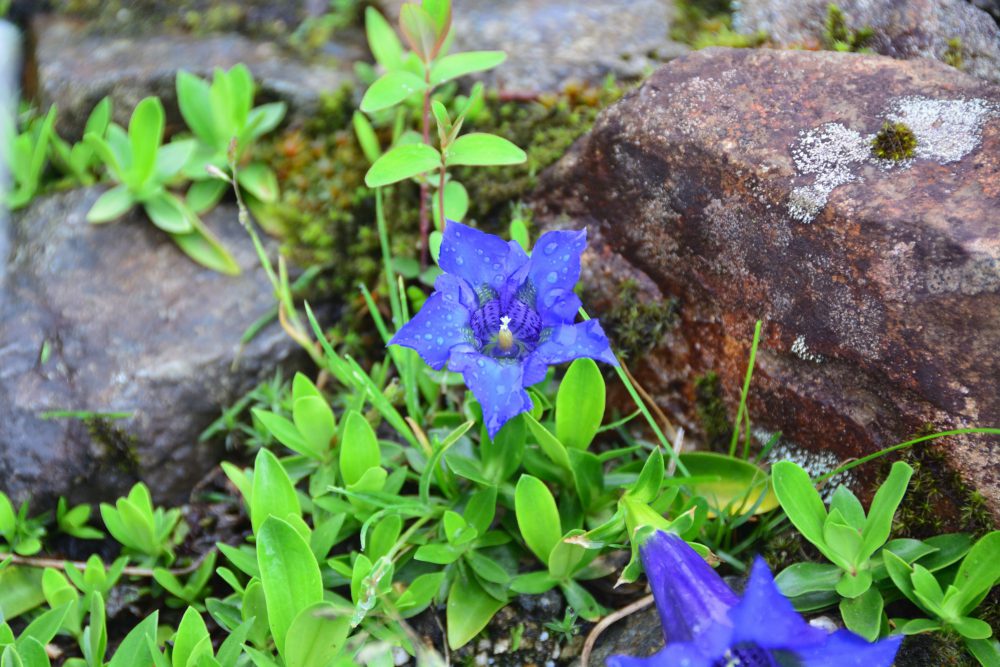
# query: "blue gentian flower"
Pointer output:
{"type": "Point", "coordinates": [501, 318]}
{"type": "Point", "coordinates": [706, 625]}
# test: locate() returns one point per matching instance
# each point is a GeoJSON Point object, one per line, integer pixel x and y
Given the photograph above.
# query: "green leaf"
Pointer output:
{"type": "Point", "coordinates": [468, 610]}
{"type": "Point", "coordinates": [729, 484]}
{"type": "Point", "coordinates": [883, 508]}
{"type": "Point", "coordinates": [419, 593]}
{"type": "Point", "coordinates": [8, 519]}
{"type": "Point", "coordinates": [647, 486]}
{"type": "Point", "coordinates": [263, 119]}
{"type": "Point", "coordinates": [801, 578]}
{"type": "Point", "coordinates": [863, 614]}
{"type": "Point", "coordinates": [365, 133]}
{"type": "Point", "coordinates": [95, 636]}
{"type": "Point", "coordinates": [45, 627]}
{"type": "Point", "coordinates": [986, 651]}
{"type": "Point", "coordinates": [189, 642]}
{"type": "Point", "coordinates": [550, 444]}
{"type": "Point", "coordinates": [800, 500]}
{"type": "Point", "coordinates": [978, 573]}
{"type": "Point", "coordinates": [170, 159]}
{"type": "Point", "coordinates": [853, 585]}
{"type": "Point", "coordinates": [10, 658]}
{"type": "Point", "coordinates": [382, 40]}
{"type": "Point", "coordinates": [257, 179]}
{"type": "Point", "coordinates": [419, 29]}
{"type": "Point", "coordinates": [460, 64]}
{"type": "Point", "coordinates": [390, 89]}
{"type": "Point", "coordinates": [581, 601]}
{"type": "Point", "coordinates": [849, 506]}
{"type": "Point", "coordinates": [204, 195]}
{"type": "Point", "coordinates": [402, 162]}
{"type": "Point", "coordinates": [145, 132]}
{"type": "Point", "coordinates": [111, 205]}
{"type": "Point", "coordinates": [566, 558]}
{"type": "Point", "coordinates": [202, 246]}
{"type": "Point", "coordinates": [919, 625]}
{"type": "Point", "coordinates": [478, 149]}
{"type": "Point", "coordinates": [285, 432]}
{"type": "Point", "coordinates": [168, 213]}
{"type": "Point", "coordinates": [481, 508]}
{"type": "Point", "coordinates": [901, 574]}
{"type": "Point", "coordinates": [316, 636]}
{"type": "Point", "coordinates": [273, 491]}
{"type": "Point", "coordinates": [134, 649]}
{"type": "Point", "coordinates": [950, 548]}
{"type": "Point", "coordinates": [194, 100]}
{"type": "Point", "coordinates": [537, 516]}
{"type": "Point", "coordinates": [102, 149]}
{"type": "Point", "coordinates": [842, 540]}
{"type": "Point", "coordinates": [580, 404]}
{"type": "Point", "coordinates": [359, 449]}
{"type": "Point", "coordinates": [315, 422]}
{"type": "Point", "coordinates": [972, 628]}
{"type": "Point", "coordinates": [290, 576]}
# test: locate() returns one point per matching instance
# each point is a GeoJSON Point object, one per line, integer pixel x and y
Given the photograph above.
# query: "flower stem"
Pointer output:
{"type": "Point", "coordinates": [424, 189]}
{"type": "Point", "coordinates": [645, 411]}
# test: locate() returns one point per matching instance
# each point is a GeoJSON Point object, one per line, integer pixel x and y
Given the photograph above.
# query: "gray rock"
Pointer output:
{"type": "Point", "coordinates": [552, 42]}
{"type": "Point", "coordinates": [910, 29]}
{"type": "Point", "coordinates": [77, 67]}
{"type": "Point", "coordinates": [638, 635]}
{"type": "Point", "coordinates": [743, 184]}
{"type": "Point", "coordinates": [131, 325]}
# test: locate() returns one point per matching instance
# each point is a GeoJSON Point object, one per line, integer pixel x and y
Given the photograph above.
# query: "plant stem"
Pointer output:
{"type": "Point", "coordinates": [645, 411]}
{"type": "Point", "coordinates": [743, 400]}
{"type": "Point", "coordinates": [424, 189]}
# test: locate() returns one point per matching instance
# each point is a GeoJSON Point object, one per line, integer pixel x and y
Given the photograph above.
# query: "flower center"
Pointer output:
{"type": "Point", "coordinates": [506, 329]}
{"type": "Point", "coordinates": [745, 655]}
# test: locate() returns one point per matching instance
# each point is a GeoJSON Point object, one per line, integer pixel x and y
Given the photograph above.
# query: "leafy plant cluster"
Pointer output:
{"type": "Point", "coordinates": [377, 497]}
{"type": "Point", "coordinates": [147, 173]}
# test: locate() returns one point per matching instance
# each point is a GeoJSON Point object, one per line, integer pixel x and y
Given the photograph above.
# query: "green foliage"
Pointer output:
{"type": "Point", "coordinates": [837, 36]}
{"type": "Point", "coordinates": [145, 171]}
{"type": "Point", "coordinates": [225, 123]}
{"type": "Point", "coordinates": [26, 155]}
{"type": "Point", "coordinates": [79, 162]}
{"type": "Point", "coordinates": [636, 323]}
{"type": "Point", "coordinates": [18, 532]}
{"type": "Point", "coordinates": [953, 54]}
{"type": "Point", "coordinates": [141, 528]}
{"type": "Point", "coordinates": [895, 141]}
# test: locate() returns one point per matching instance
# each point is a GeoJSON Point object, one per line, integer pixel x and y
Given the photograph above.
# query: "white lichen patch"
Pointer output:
{"type": "Point", "coordinates": [946, 130]}
{"type": "Point", "coordinates": [815, 463]}
{"type": "Point", "coordinates": [832, 154]}
{"type": "Point", "coordinates": [802, 351]}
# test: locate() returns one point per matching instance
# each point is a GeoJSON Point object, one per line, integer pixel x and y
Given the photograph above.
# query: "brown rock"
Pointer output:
{"type": "Point", "coordinates": [741, 182]}
{"type": "Point", "coordinates": [910, 29]}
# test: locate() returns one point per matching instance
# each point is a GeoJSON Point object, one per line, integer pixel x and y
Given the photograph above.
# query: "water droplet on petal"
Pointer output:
{"type": "Point", "coordinates": [428, 336]}
{"type": "Point", "coordinates": [565, 258]}
{"type": "Point", "coordinates": [550, 247]}
{"type": "Point", "coordinates": [552, 277]}
{"type": "Point", "coordinates": [481, 363]}
{"type": "Point", "coordinates": [440, 340]}
{"type": "Point", "coordinates": [459, 261]}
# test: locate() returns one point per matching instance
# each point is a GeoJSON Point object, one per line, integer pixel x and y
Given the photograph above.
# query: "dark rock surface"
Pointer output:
{"type": "Point", "coordinates": [550, 43]}
{"type": "Point", "coordinates": [741, 183]}
{"type": "Point", "coordinates": [910, 29]}
{"type": "Point", "coordinates": [76, 67]}
{"type": "Point", "coordinates": [131, 325]}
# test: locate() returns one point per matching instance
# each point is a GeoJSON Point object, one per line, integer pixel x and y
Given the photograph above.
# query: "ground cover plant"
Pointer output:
{"type": "Point", "coordinates": [390, 508]}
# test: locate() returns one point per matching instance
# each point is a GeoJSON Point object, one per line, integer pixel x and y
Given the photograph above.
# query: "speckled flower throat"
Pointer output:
{"type": "Point", "coordinates": [507, 326]}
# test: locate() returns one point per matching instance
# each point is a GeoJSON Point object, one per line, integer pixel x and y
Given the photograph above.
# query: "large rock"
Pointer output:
{"type": "Point", "coordinates": [127, 324]}
{"type": "Point", "coordinates": [552, 42]}
{"type": "Point", "coordinates": [741, 183]}
{"type": "Point", "coordinates": [76, 67]}
{"type": "Point", "coordinates": [903, 29]}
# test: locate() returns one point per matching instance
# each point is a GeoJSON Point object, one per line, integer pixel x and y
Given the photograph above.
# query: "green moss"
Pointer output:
{"type": "Point", "coordinates": [711, 411]}
{"type": "Point", "coordinates": [895, 141]}
{"type": "Point", "coordinates": [117, 446]}
{"type": "Point", "coordinates": [837, 36]}
{"type": "Point", "coordinates": [634, 324]}
{"type": "Point", "coordinates": [544, 127]}
{"type": "Point", "coordinates": [953, 54]}
{"type": "Point", "coordinates": [704, 23]}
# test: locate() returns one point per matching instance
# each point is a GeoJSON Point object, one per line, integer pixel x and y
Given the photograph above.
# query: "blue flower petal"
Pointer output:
{"type": "Point", "coordinates": [555, 265]}
{"type": "Point", "coordinates": [690, 596]}
{"type": "Point", "coordinates": [674, 655]}
{"type": "Point", "coordinates": [785, 629]}
{"type": "Point", "coordinates": [846, 649]}
{"type": "Point", "coordinates": [441, 324]}
{"type": "Point", "coordinates": [498, 386]}
{"type": "Point", "coordinates": [478, 257]}
{"type": "Point", "coordinates": [558, 306]}
{"type": "Point", "coordinates": [455, 289]}
{"type": "Point", "coordinates": [566, 342]}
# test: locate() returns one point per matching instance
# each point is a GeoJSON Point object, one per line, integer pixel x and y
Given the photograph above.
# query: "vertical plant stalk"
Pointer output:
{"type": "Point", "coordinates": [741, 413]}
{"type": "Point", "coordinates": [424, 188]}
{"type": "Point", "coordinates": [657, 431]}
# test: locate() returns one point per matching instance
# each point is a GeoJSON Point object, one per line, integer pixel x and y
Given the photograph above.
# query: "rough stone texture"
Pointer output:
{"type": "Point", "coordinates": [75, 68]}
{"type": "Point", "coordinates": [740, 183]}
{"type": "Point", "coordinates": [552, 42]}
{"type": "Point", "coordinates": [903, 28]}
{"type": "Point", "coordinates": [134, 326]}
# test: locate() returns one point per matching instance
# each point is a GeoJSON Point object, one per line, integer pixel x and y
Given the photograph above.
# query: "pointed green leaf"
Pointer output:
{"type": "Point", "coordinates": [883, 508]}
{"type": "Point", "coordinates": [468, 611]}
{"type": "Point", "coordinates": [460, 64]}
{"type": "Point", "coordinates": [481, 149]}
{"type": "Point", "coordinates": [537, 516]}
{"type": "Point", "coordinates": [273, 491]}
{"type": "Point", "coordinates": [390, 89]}
{"type": "Point", "coordinates": [168, 213]}
{"type": "Point", "coordinates": [580, 404]}
{"type": "Point", "coordinates": [402, 162]}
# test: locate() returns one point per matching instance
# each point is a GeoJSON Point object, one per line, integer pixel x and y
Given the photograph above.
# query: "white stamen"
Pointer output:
{"type": "Point", "coordinates": [505, 339]}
